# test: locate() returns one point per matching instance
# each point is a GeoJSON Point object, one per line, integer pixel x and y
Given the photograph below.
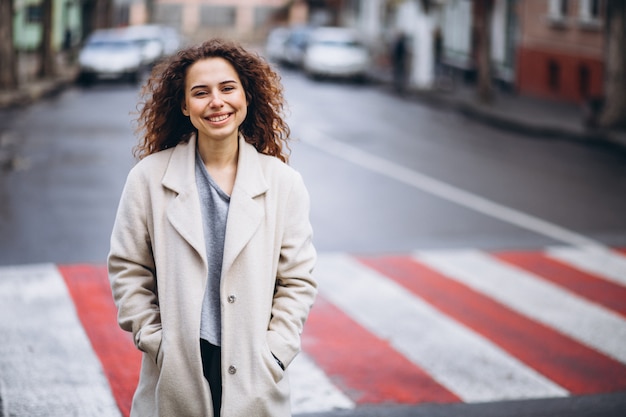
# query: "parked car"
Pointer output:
{"type": "Point", "coordinates": [126, 52]}
{"type": "Point", "coordinates": [336, 52]}
{"type": "Point", "coordinates": [156, 41]}
{"type": "Point", "coordinates": [109, 54]}
{"type": "Point", "coordinates": [275, 44]}
{"type": "Point", "coordinates": [296, 45]}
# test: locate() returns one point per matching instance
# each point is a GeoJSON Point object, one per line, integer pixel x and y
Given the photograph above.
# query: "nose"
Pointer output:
{"type": "Point", "coordinates": [216, 100]}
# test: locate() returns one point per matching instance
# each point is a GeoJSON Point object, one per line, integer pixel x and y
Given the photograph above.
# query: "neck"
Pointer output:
{"type": "Point", "coordinates": [219, 155]}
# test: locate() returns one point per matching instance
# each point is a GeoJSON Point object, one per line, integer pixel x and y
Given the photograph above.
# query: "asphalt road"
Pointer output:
{"type": "Point", "coordinates": [386, 175]}
{"type": "Point", "coordinates": [64, 162]}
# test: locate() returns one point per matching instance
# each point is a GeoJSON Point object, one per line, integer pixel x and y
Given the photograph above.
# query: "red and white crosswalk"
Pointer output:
{"type": "Point", "coordinates": [427, 327]}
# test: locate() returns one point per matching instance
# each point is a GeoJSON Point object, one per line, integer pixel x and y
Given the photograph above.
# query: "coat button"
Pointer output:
{"type": "Point", "coordinates": [231, 298]}
{"type": "Point", "coordinates": [232, 370]}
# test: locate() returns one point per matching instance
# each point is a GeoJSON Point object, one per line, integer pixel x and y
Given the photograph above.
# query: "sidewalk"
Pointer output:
{"type": "Point", "coordinates": [31, 88]}
{"type": "Point", "coordinates": [522, 114]}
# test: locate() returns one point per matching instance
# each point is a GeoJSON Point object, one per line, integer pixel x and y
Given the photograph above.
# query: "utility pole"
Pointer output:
{"type": "Point", "coordinates": [8, 58]}
{"type": "Point", "coordinates": [614, 111]}
{"type": "Point", "coordinates": [46, 52]}
{"type": "Point", "coordinates": [484, 13]}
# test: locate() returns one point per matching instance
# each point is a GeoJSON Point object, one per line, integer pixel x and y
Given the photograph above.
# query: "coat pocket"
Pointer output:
{"type": "Point", "coordinates": [272, 366]}
{"type": "Point", "coordinates": [150, 340]}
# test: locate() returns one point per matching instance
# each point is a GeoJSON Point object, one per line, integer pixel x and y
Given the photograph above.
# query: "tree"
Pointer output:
{"type": "Point", "coordinates": [46, 53]}
{"type": "Point", "coordinates": [614, 111]}
{"type": "Point", "coordinates": [483, 11]}
{"type": "Point", "coordinates": [8, 58]}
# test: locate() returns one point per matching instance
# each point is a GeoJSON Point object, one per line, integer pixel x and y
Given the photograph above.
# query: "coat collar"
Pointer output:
{"type": "Point", "coordinates": [245, 212]}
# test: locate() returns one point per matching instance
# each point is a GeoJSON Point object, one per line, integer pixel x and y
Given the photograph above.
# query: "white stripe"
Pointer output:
{"type": "Point", "coordinates": [46, 361]}
{"type": "Point", "coordinates": [444, 190]}
{"type": "Point", "coordinates": [534, 297]}
{"type": "Point", "coordinates": [312, 391]}
{"type": "Point", "coordinates": [461, 360]}
{"type": "Point", "coordinates": [605, 263]}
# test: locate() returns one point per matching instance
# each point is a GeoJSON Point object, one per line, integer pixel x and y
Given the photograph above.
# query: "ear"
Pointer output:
{"type": "Point", "coordinates": [183, 108]}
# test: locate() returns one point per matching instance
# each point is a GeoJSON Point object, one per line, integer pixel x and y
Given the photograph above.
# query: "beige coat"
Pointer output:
{"type": "Point", "coordinates": [158, 271]}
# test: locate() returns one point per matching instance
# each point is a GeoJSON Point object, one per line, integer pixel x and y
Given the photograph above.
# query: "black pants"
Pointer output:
{"type": "Point", "coordinates": [211, 367]}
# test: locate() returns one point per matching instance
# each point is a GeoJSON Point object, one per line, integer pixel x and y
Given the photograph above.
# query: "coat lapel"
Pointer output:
{"type": "Point", "coordinates": [184, 211]}
{"type": "Point", "coordinates": [245, 212]}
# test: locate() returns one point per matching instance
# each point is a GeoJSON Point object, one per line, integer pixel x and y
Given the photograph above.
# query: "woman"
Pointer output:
{"type": "Point", "coordinates": [211, 256]}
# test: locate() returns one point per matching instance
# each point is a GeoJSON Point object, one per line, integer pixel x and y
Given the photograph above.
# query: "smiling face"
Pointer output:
{"type": "Point", "coordinates": [215, 100]}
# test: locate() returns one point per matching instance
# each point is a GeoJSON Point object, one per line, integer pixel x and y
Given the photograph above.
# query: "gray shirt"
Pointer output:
{"type": "Point", "coordinates": [214, 205]}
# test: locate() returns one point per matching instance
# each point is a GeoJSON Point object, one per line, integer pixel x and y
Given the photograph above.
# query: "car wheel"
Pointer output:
{"type": "Point", "coordinates": [134, 77]}
{"type": "Point", "coordinates": [86, 79]}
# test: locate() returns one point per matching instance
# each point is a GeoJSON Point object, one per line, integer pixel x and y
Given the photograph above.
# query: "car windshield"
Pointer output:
{"type": "Point", "coordinates": [342, 43]}
{"type": "Point", "coordinates": [110, 44]}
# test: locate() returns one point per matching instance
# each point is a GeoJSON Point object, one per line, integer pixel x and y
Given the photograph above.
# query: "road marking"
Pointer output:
{"type": "Point", "coordinates": [415, 179]}
{"type": "Point", "coordinates": [610, 265]}
{"type": "Point", "coordinates": [538, 299]}
{"type": "Point", "coordinates": [593, 286]}
{"type": "Point", "coordinates": [428, 327]}
{"type": "Point", "coordinates": [364, 365]}
{"type": "Point", "coordinates": [312, 390]}
{"type": "Point", "coordinates": [90, 288]}
{"type": "Point", "coordinates": [461, 360]}
{"type": "Point", "coordinates": [47, 364]}
{"type": "Point", "coordinates": [574, 366]}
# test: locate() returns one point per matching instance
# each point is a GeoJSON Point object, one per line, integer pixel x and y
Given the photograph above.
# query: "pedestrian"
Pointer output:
{"type": "Point", "coordinates": [399, 59]}
{"type": "Point", "coordinates": [211, 253]}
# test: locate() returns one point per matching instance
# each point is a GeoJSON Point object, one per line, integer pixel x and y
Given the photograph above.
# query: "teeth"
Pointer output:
{"type": "Point", "coordinates": [218, 118]}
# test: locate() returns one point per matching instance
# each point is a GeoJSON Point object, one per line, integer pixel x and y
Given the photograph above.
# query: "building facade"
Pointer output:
{"type": "Point", "coordinates": [246, 20]}
{"type": "Point", "coordinates": [561, 50]}
{"type": "Point", "coordinates": [459, 38]}
{"type": "Point", "coordinates": [66, 24]}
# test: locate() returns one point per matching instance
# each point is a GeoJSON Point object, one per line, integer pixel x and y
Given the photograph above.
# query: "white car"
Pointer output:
{"type": "Point", "coordinates": [126, 52]}
{"type": "Point", "coordinates": [275, 44]}
{"type": "Point", "coordinates": [156, 41]}
{"type": "Point", "coordinates": [336, 52]}
{"type": "Point", "coordinates": [108, 54]}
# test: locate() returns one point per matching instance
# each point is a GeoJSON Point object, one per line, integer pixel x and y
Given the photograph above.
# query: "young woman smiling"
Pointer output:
{"type": "Point", "coordinates": [211, 254]}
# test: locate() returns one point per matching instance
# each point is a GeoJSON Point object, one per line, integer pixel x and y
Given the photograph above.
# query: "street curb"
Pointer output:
{"type": "Point", "coordinates": [444, 99]}
{"type": "Point", "coordinates": [481, 113]}
{"type": "Point", "coordinates": [35, 91]}
{"type": "Point", "coordinates": [540, 130]}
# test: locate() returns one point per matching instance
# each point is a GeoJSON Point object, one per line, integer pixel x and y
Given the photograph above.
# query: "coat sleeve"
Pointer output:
{"type": "Point", "coordinates": [295, 286]}
{"type": "Point", "coordinates": [132, 269]}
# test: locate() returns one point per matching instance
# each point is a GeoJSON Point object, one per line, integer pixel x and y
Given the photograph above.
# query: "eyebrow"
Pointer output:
{"type": "Point", "coordinates": [220, 83]}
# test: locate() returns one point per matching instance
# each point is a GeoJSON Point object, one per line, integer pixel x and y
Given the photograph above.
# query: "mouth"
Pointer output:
{"type": "Point", "coordinates": [218, 117]}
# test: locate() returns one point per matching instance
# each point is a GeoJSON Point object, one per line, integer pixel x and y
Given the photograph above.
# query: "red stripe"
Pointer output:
{"type": "Point", "coordinates": [589, 286]}
{"type": "Point", "coordinates": [89, 288]}
{"type": "Point", "coordinates": [577, 368]}
{"type": "Point", "coordinates": [363, 366]}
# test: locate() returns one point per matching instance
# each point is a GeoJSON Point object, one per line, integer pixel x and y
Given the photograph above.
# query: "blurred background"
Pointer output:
{"type": "Point", "coordinates": [569, 50]}
{"type": "Point", "coordinates": [466, 161]}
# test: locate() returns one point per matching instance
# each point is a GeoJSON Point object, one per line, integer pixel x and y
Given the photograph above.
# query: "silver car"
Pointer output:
{"type": "Point", "coordinates": [126, 52]}
{"type": "Point", "coordinates": [109, 54]}
{"type": "Point", "coordinates": [336, 52]}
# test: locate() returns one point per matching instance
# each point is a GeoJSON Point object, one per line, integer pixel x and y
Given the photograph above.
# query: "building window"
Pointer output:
{"type": "Point", "coordinates": [584, 80]}
{"type": "Point", "coordinates": [554, 75]}
{"type": "Point", "coordinates": [218, 16]}
{"type": "Point", "coordinates": [34, 13]}
{"type": "Point", "coordinates": [169, 15]}
{"type": "Point", "coordinates": [589, 13]}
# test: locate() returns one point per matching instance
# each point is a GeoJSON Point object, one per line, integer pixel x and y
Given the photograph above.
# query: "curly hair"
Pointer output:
{"type": "Point", "coordinates": [164, 124]}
